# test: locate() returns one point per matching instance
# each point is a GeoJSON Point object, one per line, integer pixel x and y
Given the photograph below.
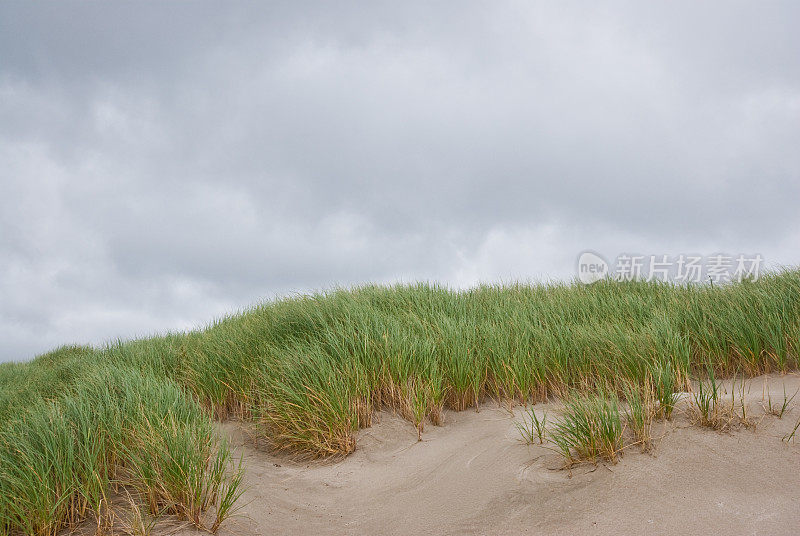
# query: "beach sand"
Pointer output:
{"type": "Point", "coordinates": [474, 475]}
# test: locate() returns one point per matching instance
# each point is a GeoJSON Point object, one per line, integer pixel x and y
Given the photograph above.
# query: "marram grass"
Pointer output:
{"type": "Point", "coordinates": [591, 428]}
{"type": "Point", "coordinates": [310, 371]}
{"type": "Point", "coordinates": [60, 458]}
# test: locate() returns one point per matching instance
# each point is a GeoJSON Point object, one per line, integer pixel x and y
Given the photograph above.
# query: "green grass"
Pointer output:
{"type": "Point", "coordinates": [60, 457]}
{"type": "Point", "coordinates": [590, 429]}
{"type": "Point", "coordinates": [791, 435]}
{"type": "Point", "coordinates": [708, 407]}
{"type": "Point", "coordinates": [533, 428]}
{"type": "Point", "coordinates": [309, 371]}
{"type": "Point", "coordinates": [664, 386]}
{"type": "Point", "coordinates": [640, 411]}
{"type": "Point", "coordinates": [707, 401]}
{"type": "Point", "coordinates": [778, 410]}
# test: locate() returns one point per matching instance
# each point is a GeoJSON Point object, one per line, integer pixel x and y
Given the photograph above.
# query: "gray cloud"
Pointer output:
{"type": "Point", "coordinates": [161, 165]}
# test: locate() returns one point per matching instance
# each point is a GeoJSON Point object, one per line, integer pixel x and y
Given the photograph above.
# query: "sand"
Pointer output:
{"type": "Point", "coordinates": [474, 475]}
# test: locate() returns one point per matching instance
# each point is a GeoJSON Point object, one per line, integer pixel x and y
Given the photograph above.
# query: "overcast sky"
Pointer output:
{"type": "Point", "coordinates": [162, 164]}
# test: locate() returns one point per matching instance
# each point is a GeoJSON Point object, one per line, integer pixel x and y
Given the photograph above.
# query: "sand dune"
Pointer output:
{"type": "Point", "coordinates": [474, 476]}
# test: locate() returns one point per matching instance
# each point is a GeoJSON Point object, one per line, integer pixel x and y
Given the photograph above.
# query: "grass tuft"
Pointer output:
{"type": "Point", "coordinates": [532, 428]}
{"type": "Point", "coordinates": [709, 408]}
{"type": "Point", "coordinates": [590, 428]}
{"type": "Point", "coordinates": [664, 380]}
{"type": "Point", "coordinates": [639, 412]}
{"type": "Point", "coordinates": [778, 410]}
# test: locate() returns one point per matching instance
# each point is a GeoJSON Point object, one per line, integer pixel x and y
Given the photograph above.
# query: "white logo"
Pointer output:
{"type": "Point", "coordinates": [591, 267]}
{"type": "Point", "coordinates": [714, 269]}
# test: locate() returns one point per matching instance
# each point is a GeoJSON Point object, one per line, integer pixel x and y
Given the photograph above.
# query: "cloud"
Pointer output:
{"type": "Point", "coordinates": [161, 165]}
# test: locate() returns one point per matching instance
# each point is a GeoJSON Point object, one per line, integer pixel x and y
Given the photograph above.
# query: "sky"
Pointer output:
{"type": "Point", "coordinates": [163, 164]}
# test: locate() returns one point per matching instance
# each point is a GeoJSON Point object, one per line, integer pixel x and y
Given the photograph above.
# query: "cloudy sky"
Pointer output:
{"type": "Point", "coordinates": [162, 164]}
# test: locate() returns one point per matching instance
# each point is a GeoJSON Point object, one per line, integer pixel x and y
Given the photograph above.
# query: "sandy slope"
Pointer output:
{"type": "Point", "coordinates": [474, 476]}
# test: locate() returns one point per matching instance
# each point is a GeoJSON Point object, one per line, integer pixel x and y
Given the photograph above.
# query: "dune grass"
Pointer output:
{"type": "Point", "coordinates": [533, 428]}
{"type": "Point", "coordinates": [778, 409]}
{"type": "Point", "coordinates": [591, 427]}
{"type": "Point", "coordinates": [309, 371]}
{"type": "Point", "coordinates": [60, 458]}
{"type": "Point", "coordinates": [639, 412]}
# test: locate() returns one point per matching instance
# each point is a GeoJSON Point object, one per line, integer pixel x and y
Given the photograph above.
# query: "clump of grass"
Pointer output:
{"type": "Point", "coordinates": [532, 427]}
{"type": "Point", "coordinates": [776, 409]}
{"type": "Point", "coordinates": [306, 409]}
{"type": "Point", "coordinates": [664, 388]}
{"type": "Point", "coordinates": [229, 492]}
{"type": "Point", "coordinates": [590, 428]}
{"type": "Point", "coordinates": [710, 410]}
{"type": "Point", "coordinates": [60, 457]}
{"type": "Point", "coordinates": [136, 521]}
{"type": "Point", "coordinates": [743, 417]}
{"type": "Point", "coordinates": [639, 413]}
{"type": "Point", "coordinates": [706, 408]}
